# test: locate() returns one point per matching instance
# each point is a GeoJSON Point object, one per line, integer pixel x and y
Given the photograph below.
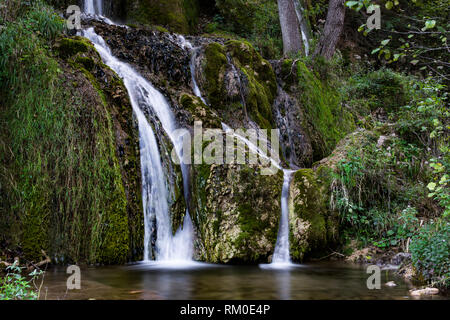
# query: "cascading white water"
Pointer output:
{"type": "Point", "coordinates": [155, 198]}
{"type": "Point", "coordinates": [299, 11]}
{"type": "Point", "coordinates": [281, 256]}
{"type": "Point", "coordinates": [183, 43]}
{"type": "Point", "coordinates": [281, 253]}
{"type": "Point", "coordinates": [93, 7]}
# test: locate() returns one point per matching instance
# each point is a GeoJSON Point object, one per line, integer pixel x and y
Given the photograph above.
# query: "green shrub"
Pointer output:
{"type": "Point", "coordinates": [377, 190]}
{"type": "Point", "coordinates": [430, 252]}
{"type": "Point", "coordinates": [14, 286]}
{"type": "Point", "coordinates": [255, 20]}
{"type": "Point", "coordinates": [383, 88]}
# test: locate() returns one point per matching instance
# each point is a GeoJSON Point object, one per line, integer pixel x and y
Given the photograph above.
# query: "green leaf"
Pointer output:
{"type": "Point", "coordinates": [375, 50]}
{"type": "Point", "coordinates": [414, 62]}
{"type": "Point", "coordinates": [389, 5]}
{"type": "Point", "coordinates": [385, 42]}
{"type": "Point", "coordinates": [431, 186]}
{"type": "Point", "coordinates": [351, 4]}
{"type": "Point", "coordinates": [429, 24]}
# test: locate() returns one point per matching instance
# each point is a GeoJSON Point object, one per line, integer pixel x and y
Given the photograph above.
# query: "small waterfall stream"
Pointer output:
{"type": "Point", "coordinates": [154, 189]}
{"type": "Point", "coordinates": [93, 7]}
{"type": "Point", "coordinates": [281, 254]}
{"type": "Point", "coordinates": [299, 11]}
{"type": "Point", "coordinates": [281, 257]}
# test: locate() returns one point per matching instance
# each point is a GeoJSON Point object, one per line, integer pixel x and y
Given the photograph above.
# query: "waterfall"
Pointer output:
{"type": "Point", "coordinates": [94, 7]}
{"type": "Point", "coordinates": [281, 253]}
{"type": "Point", "coordinates": [154, 189]}
{"type": "Point", "coordinates": [184, 44]}
{"type": "Point", "coordinates": [281, 256]}
{"type": "Point", "coordinates": [303, 25]}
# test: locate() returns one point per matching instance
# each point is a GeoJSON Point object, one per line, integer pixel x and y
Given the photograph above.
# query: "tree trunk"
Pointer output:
{"type": "Point", "coordinates": [290, 29]}
{"type": "Point", "coordinates": [332, 30]}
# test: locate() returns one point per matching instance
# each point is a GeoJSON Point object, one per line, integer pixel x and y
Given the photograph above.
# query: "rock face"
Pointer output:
{"type": "Point", "coordinates": [236, 221]}
{"type": "Point", "coordinates": [321, 118]}
{"type": "Point", "coordinates": [234, 208]}
{"type": "Point", "coordinates": [238, 83]}
{"type": "Point", "coordinates": [122, 240]}
{"type": "Point", "coordinates": [313, 224]}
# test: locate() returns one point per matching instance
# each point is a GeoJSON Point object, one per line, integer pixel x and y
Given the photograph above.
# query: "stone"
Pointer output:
{"type": "Point", "coordinates": [426, 291]}
{"type": "Point", "coordinates": [390, 284]}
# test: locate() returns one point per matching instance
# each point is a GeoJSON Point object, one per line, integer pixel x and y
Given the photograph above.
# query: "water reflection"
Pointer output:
{"type": "Point", "coordinates": [206, 281]}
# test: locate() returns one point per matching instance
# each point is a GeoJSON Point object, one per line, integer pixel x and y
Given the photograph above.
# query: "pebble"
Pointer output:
{"type": "Point", "coordinates": [391, 284]}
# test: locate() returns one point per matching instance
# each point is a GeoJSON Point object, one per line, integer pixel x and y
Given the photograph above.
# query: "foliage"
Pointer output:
{"type": "Point", "coordinates": [383, 188]}
{"type": "Point", "coordinates": [60, 182]}
{"type": "Point", "coordinates": [415, 34]}
{"type": "Point", "coordinates": [366, 92]}
{"type": "Point", "coordinates": [255, 20]}
{"type": "Point", "coordinates": [14, 286]}
{"type": "Point", "coordinates": [425, 121]}
{"type": "Point", "coordinates": [430, 252]}
{"type": "Point", "coordinates": [377, 189]}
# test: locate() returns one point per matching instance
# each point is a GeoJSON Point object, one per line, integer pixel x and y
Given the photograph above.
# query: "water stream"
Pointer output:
{"type": "Point", "coordinates": [93, 7]}
{"type": "Point", "coordinates": [154, 189]}
{"type": "Point", "coordinates": [281, 255]}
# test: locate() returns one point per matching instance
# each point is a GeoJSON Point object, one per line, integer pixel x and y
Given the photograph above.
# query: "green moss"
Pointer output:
{"type": "Point", "coordinates": [115, 242]}
{"type": "Point", "coordinates": [288, 72]}
{"type": "Point", "coordinates": [68, 47]}
{"type": "Point", "coordinates": [35, 236]}
{"type": "Point", "coordinates": [257, 78]}
{"type": "Point", "coordinates": [383, 88]}
{"type": "Point", "coordinates": [161, 29]}
{"type": "Point", "coordinates": [177, 15]}
{"type": "Point", "coordinates": [199, 111]}
{"type": "Point", "coordinates": [87, 62]}
{"type": "Point", "coordinates": [310, 210]}
{"type": "Point", "coordinates": [326, 120]}
{"type": "Point", "coordinates": [216, 62]}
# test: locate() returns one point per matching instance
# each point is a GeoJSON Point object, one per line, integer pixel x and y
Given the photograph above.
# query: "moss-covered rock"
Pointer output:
{"type": "Point", "coordinates": [70, 46]}
{"type": "Point", "coordinates": [106, 230]}
{"type": "Point", "coordinates": [199, 111]}
{"type": "Point", "coordinates": [237, 78]}
{"type": "Point", "coordinates": [313, 225]}
{"type": "Point", "coordinates": [326, 120]}
{"type": "Point", "coordinates": [236, 222]}
{"type": "Point", "coordinates": [381, 89]}
{"type": "Point", "coordinates": [215, 67]}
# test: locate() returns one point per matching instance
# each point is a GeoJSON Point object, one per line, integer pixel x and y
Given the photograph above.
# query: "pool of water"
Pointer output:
{"type": "Point", "coordinates": [206, 281]}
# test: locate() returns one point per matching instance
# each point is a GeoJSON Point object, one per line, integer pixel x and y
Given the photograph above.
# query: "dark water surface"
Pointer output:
{"type": "Point", "coordinates": [205, 281]}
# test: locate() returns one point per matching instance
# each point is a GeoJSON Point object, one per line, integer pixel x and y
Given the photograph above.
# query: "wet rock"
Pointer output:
{"type": "Point", "coordinates": [323, 119]}
{"type": "Point", "coordinates": [400, 258]}
{"type": "Point", "coordinates": [422, 292]}
{"type": "Point", "coordinates": [314, 227]}
{"type": "Point", "coordinates": [390, 284]}
{"type": "Point", "coordinates": [236, 222]}
{"type": "Point", "coordinates": [295, 143]}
